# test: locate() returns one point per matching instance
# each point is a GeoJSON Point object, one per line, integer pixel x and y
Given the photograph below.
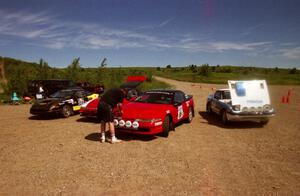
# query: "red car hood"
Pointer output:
{"type": "Point", "coordinates": [93, 104]}
{"type": "Point", "coordinates": [144, 110]}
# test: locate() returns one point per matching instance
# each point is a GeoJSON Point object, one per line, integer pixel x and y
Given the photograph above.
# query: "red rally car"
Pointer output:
{"type": "Point", "coordinates": [156, 111]}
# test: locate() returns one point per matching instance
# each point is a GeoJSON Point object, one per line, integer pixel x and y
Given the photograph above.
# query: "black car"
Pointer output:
{"type": "Point", "coordinates": [63, 102]}
{"type": "Point", "coordinates": [49, 86]}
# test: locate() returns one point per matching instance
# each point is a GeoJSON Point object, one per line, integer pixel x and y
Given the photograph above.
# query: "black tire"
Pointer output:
{"type": "Point", "coordinates": [166, 126]}
{"type": "Point", "coordinates": [190, 116]}
{"type": "Point", "coordinates": [208, 108]}
{"type": "Point", "coordinates": [67, 111]}
{"type": "Point", "coordinates": [224, 117]}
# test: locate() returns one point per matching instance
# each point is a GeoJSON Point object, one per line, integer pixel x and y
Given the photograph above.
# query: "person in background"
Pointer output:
{"type": "Point", "coordinates": [108, 101]}
{"type": "Point", "coordinates": [41, 92]}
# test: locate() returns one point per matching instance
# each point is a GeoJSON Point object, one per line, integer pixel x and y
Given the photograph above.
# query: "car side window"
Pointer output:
{"type": "Point", "coordinates": [217, 95]}
{"type": "Point", "coordinates": [179, 97]}
{"type": "Point", "coordinates": [226, 95]}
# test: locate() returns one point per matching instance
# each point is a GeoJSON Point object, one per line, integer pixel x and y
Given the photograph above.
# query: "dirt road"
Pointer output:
{"type": "Point", "coordinates": [63, 156]}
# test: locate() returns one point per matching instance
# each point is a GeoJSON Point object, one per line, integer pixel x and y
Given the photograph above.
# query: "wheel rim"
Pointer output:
{"type": "Point", "coordinates": [67, 111]}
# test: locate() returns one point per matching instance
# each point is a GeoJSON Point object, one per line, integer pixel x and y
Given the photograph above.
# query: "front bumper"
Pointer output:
{"type": "Point", "coordinates": [88, 112]}
{"type": "Point", "coordinates": [144, 128]}
{"type": "Point", "coordinates": [255, 116]}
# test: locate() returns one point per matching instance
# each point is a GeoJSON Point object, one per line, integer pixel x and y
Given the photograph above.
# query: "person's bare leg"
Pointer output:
{"type": "Point", "coordinates": [112, 133]}
{"type": "Point", "coordinates": [102, 132]}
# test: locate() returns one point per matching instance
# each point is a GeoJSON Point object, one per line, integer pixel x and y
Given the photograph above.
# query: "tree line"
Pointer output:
{"type": "Point", "coordinates": [19, 73]}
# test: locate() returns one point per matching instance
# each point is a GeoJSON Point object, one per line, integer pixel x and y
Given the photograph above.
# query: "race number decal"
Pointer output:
{"type": "Point", "coordinates": [187, 104]}
{"type": "Point", "coordinates": [180, 112]}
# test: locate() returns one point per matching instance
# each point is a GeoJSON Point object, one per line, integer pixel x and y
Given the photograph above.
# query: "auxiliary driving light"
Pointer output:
{"type": "Point", "coordinates": [128, 124]}
{"type": "Point", "coordinates": [245, 109]}
{"type": "Point", "coordinates": [116, 122]}
{"type": "Point", "coordinates": [135, 124]}
{"type": "Point", "coordinates": [121, 123]}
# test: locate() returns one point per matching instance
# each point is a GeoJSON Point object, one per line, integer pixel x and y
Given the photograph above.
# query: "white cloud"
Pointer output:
{"type": "Point", "coordinates": [48, 31]}
{"type": "Point", "coordinates": [160, 25]}
{"type": "Point", "coordinates": [56, 34]}
{"type": "Point", "coordinates": [291, 53]}
{"type": "Point", "coordinates": [222, 46]}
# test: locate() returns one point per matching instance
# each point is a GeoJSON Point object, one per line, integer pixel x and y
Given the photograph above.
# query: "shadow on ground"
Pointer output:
{"type": "Point", "coordinates": [123, 136]}
{"type": "Point", "coordinates": [88, 120]}
{"type": "Point", "coordinates": [214, 119]}
{"type": "Point", "coordinates": [44, 117]}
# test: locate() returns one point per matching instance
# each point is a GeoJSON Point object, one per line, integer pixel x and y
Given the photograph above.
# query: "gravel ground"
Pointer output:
{"type": "Point", "coordinates": [63, 156]}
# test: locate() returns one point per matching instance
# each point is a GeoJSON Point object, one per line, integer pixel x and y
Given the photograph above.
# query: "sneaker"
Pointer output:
{"type": "Point", "coordinates": [102, 139]}
{"type": "Point", "coordinates": [115, 140]}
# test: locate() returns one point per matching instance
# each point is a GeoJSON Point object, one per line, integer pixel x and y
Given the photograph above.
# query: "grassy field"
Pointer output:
{"type": "Point", "coordinates": [16, 74]}
{"type": "Point", "coordinates": [215, 76]}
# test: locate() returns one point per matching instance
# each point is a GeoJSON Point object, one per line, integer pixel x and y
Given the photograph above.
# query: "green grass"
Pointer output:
{"type": "Point", "coordinates": [281, 77]}
{"type": "Point", "coordinates": [154, 84]}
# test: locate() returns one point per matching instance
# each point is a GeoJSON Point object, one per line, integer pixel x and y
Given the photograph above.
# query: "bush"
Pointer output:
{"type": "Point", "coordinates": [204, 70]}
{"type": "Point", "coordinates": [293, 71]}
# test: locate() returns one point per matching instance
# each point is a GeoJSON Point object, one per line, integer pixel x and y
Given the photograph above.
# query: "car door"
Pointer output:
{"type": "Point", "coordinates": [179, 102]}
{"type": "Point", "coordinates": [215, 102]}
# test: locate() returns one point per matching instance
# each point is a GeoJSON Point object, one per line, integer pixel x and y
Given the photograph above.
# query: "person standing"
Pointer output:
{"type": "Point", "coordinates": [108, 101]}
{"type": "Point", "coordinates": [41, 93]}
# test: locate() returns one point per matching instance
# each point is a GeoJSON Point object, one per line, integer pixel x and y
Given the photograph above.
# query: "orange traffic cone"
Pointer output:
{"type": "Point", "coordinates": [289, 93]}
{"type": "Point", "coordinates": [283, 99]}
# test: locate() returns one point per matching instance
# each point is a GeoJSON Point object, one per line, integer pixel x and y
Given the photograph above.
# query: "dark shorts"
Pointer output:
{"type": "Point", "coordinates": [105, 112]}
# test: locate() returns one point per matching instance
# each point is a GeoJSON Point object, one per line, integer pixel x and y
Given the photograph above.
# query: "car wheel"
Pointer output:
{"type": "Point", "coordinates": [166, 126]}
{"type": "Point", "coordinates": [208, 108]}
{"type": "Point", "coordinates": [191, 115]}
{"type": "Point", "coordinates": [67, 111]}
{"type": "Point", "coordinates": [224, 118]}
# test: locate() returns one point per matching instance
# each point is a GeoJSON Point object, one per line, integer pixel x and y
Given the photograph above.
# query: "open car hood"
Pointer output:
{"type": "Point", "coordinates": [133, 82]}
{"type": "Point", "coordinates": [252, 93]}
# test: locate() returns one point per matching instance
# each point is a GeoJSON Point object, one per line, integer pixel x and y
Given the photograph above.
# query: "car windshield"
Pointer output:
{"type": "Point", "coordinates": [156, 97]}
{"type": "Point", "coordinates": [62, 94]}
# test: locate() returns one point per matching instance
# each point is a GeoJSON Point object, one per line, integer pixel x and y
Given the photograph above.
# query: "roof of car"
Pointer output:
{"type": "Point", "coordinates": [75, 88]}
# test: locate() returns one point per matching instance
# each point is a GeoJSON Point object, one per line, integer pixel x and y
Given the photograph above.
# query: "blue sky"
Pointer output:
{"type": "Point", "coordinates": [152, 32]}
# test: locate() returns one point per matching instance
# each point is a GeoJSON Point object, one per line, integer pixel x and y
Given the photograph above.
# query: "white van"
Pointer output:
{"type": "Point", "coordinates": [242, 101]}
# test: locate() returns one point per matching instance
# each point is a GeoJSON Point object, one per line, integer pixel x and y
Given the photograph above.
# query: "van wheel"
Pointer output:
{"type": "Point", "coordinates": [67, 111]}
{"type": "Point", "coordinates": [224, 118]}
{"type": "Point", "coordinates": [166, 126]}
